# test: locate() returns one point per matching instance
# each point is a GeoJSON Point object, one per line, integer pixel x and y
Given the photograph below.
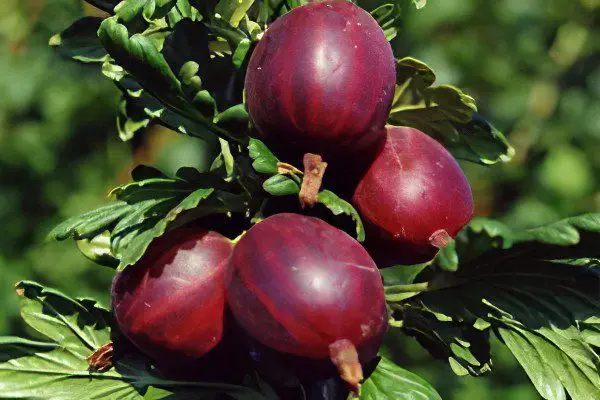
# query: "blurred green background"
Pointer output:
{"type": "Point", "coordinates": [533, 66]}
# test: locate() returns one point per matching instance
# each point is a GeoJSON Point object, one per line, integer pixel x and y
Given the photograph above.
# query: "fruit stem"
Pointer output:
{"type": "Point", "coordinates": [102, 359]}
{"type": "Point", "coordinates": [314, 169]}
{"type": "Point", "coordinates": [440, 239]}
{"type": "Point", "coordinates": [344, 356]}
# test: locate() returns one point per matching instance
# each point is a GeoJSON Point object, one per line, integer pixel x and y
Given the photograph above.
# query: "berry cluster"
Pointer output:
{"type": "Point", "coordinates": [321, 81]}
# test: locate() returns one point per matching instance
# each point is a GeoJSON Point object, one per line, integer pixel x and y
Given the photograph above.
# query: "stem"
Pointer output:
{"type": "Point", "coordinates": [344, 356]}
{"type": "Point", "coordinates": [314, 169]}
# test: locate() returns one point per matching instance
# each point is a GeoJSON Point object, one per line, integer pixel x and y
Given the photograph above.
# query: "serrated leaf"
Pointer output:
{"type": "Point", "coordinates": [80, 41]}
{"type": "Point", "coordinates": [562, 233]}
{"type": "Point", "coordinates": [146, 207]}
{"type": "Point", "coordinates": [538, 307]}
{"type": "Point", "coordinates": [466, 348]}
{"type": "Point", "coordinates": [88, 225]}
{"type": "Point", "coordinates": [78, 326]}
{"type": "Point", "coordinates": [389, 381]}
{"type": "Point", "coordinates": [388, 16]}
{"type": "Point", "coordinates": [141, 105]}
{"type": "Point", "coordinates": [138, 55]}
{"type": "Point", "coordinates": [281, 185]}
{"type": "Point", "coordinates": [132, 240]}
{"type": "Point", "coordinates": [339, 206]}
{"type": "Point", "coordinates": [446, 113]}
{"type": "Point", "coordinates": [264, 162]}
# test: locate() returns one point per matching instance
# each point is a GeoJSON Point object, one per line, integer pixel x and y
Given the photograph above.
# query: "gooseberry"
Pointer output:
{"type": "Point", "coordinates": [171, 303]}
{"type": "Point", "coordinates": [414, 198]}
{"type": "Point", "coordinates": [303, 287]}
{"type": "Point", "coordinates": [321, 80]}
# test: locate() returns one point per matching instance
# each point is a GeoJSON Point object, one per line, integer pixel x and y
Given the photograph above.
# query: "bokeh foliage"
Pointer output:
{"type": "Point", "coordinates": [532, 65]}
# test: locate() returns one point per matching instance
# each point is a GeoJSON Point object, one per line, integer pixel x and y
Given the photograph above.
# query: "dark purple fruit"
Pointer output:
{"type": "Point", "coordinates": [300, 286]}
{"type": "Point", "coordinates": [414, 197]}
{"type": "Point", "coordinates": [321, 80]}
{"type": "Point", "coordinates": [171, 303]}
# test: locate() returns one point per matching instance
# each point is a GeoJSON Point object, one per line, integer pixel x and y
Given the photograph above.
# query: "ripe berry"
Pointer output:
{"type": "Point", "coordinates": [413, 198]}
{"type": "Point", "coordinates": [322, 78]}
{"type": "Point", "coordinates": [300, 286]}
{"type": "Point", "coordinates": [171, 303]}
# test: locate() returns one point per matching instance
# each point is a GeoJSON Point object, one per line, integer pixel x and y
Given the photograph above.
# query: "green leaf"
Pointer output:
{"type": "Point", "coordinates": [98, 250]}
{"type": "Point", "coordinates": [559, 240]}
{"type": "Point", "coordinates": [479, 236]}
{"type": "Point", "coordinates": [139, 108]}
{"type": "Point", "coordinates": [464, 346]}
{"type": "Point", "coordinates": [80, 327]}
{"type": "Point", "coordinates": [388, 16]}
{"type": "Point", "coordinates": [265, 162]}
{"type": "Point", "coordinates": [281, 185]}
{"type": "Point", "coordinates": [242, 50]}
{"type": "Point", "coordinates": [545, 311]}
{"type": "Point", "coordinates": [446, 258]}
{"type": "Point", "coordinates": [80, 41]}
{"type": "Point", "coordinates": [446, 113]}
{"type": "Point", "coordinates": [562, 233]}
{"type": "Point", "coordinates": [145, 209]}
{"type": "Point", "coordinates": [58, 369]}
{"type": "Point", "coordinates": [131, 118]}
{"type": "Point", "coordinates": [233, 11]}
{"type": "Point", "coordinates": [139, 56]}
{"type": "Point", "coordinates": [339, 206]}
{"type": "Point", "coordinates": [389, 381]}
{"type": "Point", "coordinates": [402, 274]}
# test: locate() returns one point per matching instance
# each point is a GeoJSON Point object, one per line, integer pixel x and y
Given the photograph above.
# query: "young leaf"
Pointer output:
{"type": "Point", "coordinates": [446, 113]}
{"type": "Point", "coordinates": [80, 41]}
{"type": "Point", "coordinates": [58, 369]}
{"type": "Point", "coordinates": [281, 185]}
{"type": "Point", "coordinates": [389, 381]}
{"type": "Point", "coordinates": [265, 162]}
{"type": "Point", "coordinates": [339, 206]}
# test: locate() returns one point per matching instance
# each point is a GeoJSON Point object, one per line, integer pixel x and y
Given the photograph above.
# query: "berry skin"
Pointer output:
{"type": "Point", "coordinates": [171, 303]}
{"type": "Point", "coordinates": [298, 285]}
{"type": "Point", "coordinates": [321, 80]}
{"type": "Point", "coordinates": [413, 198]}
